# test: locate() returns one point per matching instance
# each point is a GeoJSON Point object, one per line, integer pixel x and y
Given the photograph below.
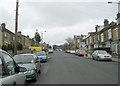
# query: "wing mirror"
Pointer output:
{"type": "Point", "coordinates": [38, 60]}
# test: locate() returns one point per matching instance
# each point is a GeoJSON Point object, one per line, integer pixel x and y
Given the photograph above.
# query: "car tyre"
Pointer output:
{"type": "Point", "coordinates": [98, 58]}
{"type": "Point", "coordinates": [39, 71]}
{"type": "Point", "coordinates": [93, 58]}
{"type": "Point", "coordinates": [35, 79]}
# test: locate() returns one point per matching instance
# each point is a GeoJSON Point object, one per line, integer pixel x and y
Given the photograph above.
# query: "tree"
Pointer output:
{"type": "Point", "coordinates": [37, 37]}
{"type": "Point", "coordinates": [70, 42]}
{"type": "Point", "coordinates": [19, 46]}
{"type": "Point", "coordinates": [9, 46]}
{"type": "Point", "coordinates": [65, 46]}
{"type": "Point", "coordinates": [5, 48]}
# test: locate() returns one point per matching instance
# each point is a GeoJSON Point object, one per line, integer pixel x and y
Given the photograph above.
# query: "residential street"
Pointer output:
{"type": "Point", "coordinates": [64, 68]}
{"type": "Point", "coordinates": [59, 42]}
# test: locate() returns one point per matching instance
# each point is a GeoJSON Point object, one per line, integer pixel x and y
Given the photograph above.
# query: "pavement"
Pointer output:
{"type": "Point", "coordinates": [115, 59]}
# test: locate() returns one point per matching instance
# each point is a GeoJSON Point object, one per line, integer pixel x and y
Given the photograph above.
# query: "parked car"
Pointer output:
{"type": "Point", "coordinates": [81, 53]}
{"type": "Point", "coordinates": [50, 50]}
{"type": "Point", "coordinates": [101, 55]}
{"type": "Point", "coordinates": [42, 56]}
{"type": "Point", "coordinates": [67, 51]}
{"type": "Point", "coordinates": [72, 51]}
{"type": "Point", "coordinates": [10, 72]}
{"type": "Point", "coordinates": [31, 63]}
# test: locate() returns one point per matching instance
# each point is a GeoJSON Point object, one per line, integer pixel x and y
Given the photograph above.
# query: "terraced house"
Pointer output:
{"type": "Point", "coordinates": [106, 35]}
{"type": "Point", "coordinates": [26, 41]}
{"type": "Point", "coordinates": [0, 37]}
{"type": "Point", "coordinates": [6, 36]}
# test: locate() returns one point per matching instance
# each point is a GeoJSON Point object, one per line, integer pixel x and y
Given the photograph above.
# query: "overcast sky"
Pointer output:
{"type": "Point", "coordinates": [59, 18]}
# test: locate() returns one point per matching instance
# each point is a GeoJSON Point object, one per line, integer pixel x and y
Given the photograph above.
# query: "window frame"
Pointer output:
{"type": "Point", "coordinates": [4, 63]}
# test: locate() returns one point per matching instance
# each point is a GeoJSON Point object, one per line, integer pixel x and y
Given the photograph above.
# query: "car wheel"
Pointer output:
{"type": "Point", "coordinates": [98, 58]}
{"type": "Point", "coordinates": [93, 58]}
{"type": "Point", "coordinates": [35, 79]}
{"type": "Point", "coordinates": [39, 71]}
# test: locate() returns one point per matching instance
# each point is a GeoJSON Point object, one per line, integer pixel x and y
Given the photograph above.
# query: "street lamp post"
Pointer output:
{"type": "Point", "coordinates": [116, 3]}
{"type": "Point", "coordinates": [42, 36]}
{"type": "Point", "coordinates": [16, 27]}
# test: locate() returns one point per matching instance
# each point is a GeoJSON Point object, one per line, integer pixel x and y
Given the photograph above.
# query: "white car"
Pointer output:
{"type": "Point", "coordinates": [101, 55]}
{"type": "Point", "coordinates": [50, 51]}
{"type": "Point", "coordinates": [10, 72]}
{"type": "Point", "coordinates": [72, 51]}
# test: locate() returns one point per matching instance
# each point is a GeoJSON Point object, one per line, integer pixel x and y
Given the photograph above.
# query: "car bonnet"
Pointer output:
{"type": "Point", "coordinates": [29, 66]}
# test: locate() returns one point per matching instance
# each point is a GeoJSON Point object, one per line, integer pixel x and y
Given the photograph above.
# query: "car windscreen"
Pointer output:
{"type": "Point", "coordinates": [102, 52]}
{"type": "Point", "coordinates": [24, 59]}
{"type": "Point", "coordinates": [81, 51]}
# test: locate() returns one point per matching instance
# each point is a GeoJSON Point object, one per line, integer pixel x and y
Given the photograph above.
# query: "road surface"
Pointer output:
{"type": "Point", "coordinates": [64, 68]}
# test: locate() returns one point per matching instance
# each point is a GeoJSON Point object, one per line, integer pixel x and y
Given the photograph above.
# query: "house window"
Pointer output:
{"type": "Point", "coordinates": [102, 37]}
{"type": "Point", "coordinates": [13, 38]}
{"type": "Point", "coordinates": [78, 41]}
{"type": "Point", "coordinates": [116, 32]}
{"type": "Point", "coordinates": [98, 38]}
{"type": "Point", "coordinates": [5, 35]}
{"type": "Point", "coordinates": [90, 39]}
{"type": "Point", "coordinates": [109, 34]}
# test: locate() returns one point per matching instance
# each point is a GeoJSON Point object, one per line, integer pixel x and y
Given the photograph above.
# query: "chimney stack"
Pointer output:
{"type": "Point", "coordinates": [106, 23]}
{"type": "Point", "coordinates": [3, 25]}
{"type": "Point", "coordinates": [96, 28]}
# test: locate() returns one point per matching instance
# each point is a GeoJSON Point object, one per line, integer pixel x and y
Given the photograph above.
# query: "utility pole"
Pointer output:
{"type": "Point", "coordinates": [16, 28]}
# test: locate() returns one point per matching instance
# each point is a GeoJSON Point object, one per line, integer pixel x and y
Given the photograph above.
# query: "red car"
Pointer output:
{"type": "Point", "coordinates": [82, 53]}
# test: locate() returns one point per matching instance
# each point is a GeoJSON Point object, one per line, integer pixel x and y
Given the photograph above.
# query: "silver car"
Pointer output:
{"type": "Point", "coordinates": [101, 55]}
{"type": "Point", "coordinates": [10, 72]}
{"type": "Point", "coordinates": [31, 63]}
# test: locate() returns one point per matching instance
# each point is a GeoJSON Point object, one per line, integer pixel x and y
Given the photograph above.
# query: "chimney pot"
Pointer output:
{"type": "Point", "coordinates": [106, 23]}
{"type": "Point", "coordinates": [3, 25]}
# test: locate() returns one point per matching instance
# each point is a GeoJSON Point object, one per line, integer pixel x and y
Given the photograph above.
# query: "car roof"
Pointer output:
{"type": "Point", "coordinates": [3, 51]}
{"type": "Point", "coordinates": [40, 52]}
{"type": "Point", "coordinates": [25, 54]}
{"type": "Point", "coordinates": [100, 50]}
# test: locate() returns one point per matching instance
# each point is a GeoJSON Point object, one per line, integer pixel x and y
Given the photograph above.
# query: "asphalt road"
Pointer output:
{"type": "Point", "coordinates": [64, 68]}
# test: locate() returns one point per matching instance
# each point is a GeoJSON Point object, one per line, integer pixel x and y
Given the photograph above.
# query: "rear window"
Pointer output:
{"type": "Point", "coordinates": [41, 54]}
{"type": "Point", "coordinates": [102, 52]}
{"type": "Point", "coordinates": [82, 51]}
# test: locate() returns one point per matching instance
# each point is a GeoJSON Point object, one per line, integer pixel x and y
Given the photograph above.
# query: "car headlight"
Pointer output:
{"type": "Point", "coordinates": [29, 72]}
{"type": "Point", "coordinates": [35, 67]}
